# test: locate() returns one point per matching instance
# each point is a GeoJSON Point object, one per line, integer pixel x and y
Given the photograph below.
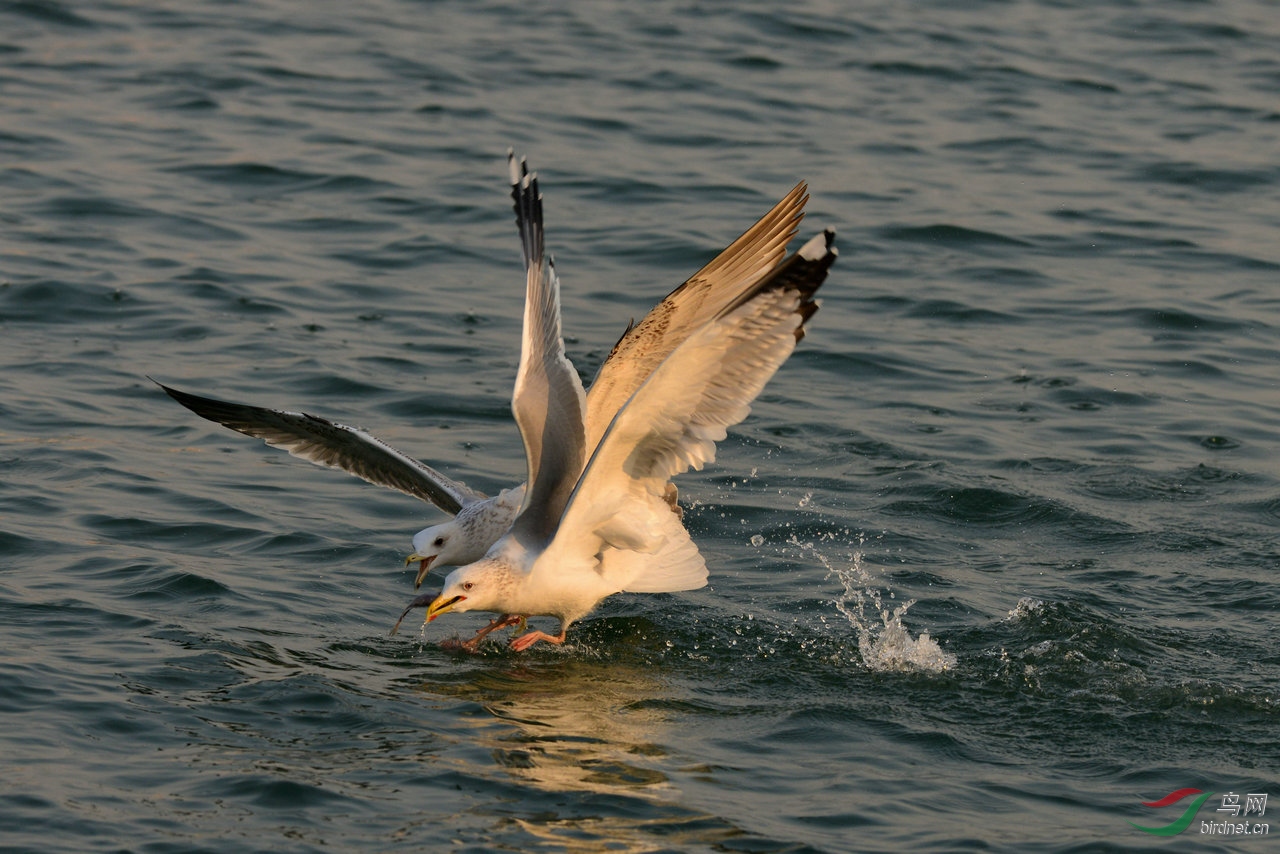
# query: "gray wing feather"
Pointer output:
{"type": "Point", "coordinates": [327, 443]}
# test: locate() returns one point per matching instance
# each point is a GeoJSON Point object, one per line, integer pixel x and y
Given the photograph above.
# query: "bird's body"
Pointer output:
{"type": "Point", "coordinates": [567, 582]}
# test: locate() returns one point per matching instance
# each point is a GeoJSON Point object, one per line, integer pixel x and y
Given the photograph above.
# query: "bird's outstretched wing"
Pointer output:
{"type": "Point", "coordinates": [548, 401]}
{"type": "Point", "coordinates": [728, 276]}
{"type": "Point", "coordinates": [677, 415]}
{"type": "Point", "coordinates": [326, 443]}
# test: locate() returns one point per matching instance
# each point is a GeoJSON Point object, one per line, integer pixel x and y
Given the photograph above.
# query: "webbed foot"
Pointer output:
{"type": "Point", "coordinates": [520, 644]}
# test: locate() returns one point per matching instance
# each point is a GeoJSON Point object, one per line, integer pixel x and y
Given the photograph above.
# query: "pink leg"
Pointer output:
{"type": "Point", "coordinates": [501, 623]}
{"type": "Point", "coordinates": [525, 641]}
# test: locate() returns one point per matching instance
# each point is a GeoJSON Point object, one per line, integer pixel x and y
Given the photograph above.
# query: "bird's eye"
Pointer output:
{"type": "Point", "coordinates": [468, 585]}
{"type": "Point", "coordinates": [439, 541]}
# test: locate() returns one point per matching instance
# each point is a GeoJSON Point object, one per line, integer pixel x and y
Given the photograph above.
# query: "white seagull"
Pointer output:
{"type": "Point", "coordinates": [479, 520]}
{"type": "Point", "coordinates": [595, 519]}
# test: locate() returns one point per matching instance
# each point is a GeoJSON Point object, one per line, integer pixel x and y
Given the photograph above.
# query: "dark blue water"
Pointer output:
{"type": "Point", "coordinates": [994, 560]}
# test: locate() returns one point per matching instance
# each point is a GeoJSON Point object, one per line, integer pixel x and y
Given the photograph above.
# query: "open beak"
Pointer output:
{"type": "Point", "coordinates": [441, 606]}
{"type": "Point", "coordinates": [424, 567]}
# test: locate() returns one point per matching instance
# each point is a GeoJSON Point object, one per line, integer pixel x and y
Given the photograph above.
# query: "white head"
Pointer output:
{"type": "Point", "coordinates": [481, 586]}
{"type": "Point", "coordinates": [440, 545]}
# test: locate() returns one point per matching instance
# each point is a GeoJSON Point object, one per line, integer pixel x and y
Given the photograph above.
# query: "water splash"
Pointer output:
{"type": "Point", "coordinates": [1026, 607]}
{"type": "Point", "coordinates": [884, 642]}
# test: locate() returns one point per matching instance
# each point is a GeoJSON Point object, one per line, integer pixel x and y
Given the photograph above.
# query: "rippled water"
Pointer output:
{"type": "Point", "coordinates": [993, 561]}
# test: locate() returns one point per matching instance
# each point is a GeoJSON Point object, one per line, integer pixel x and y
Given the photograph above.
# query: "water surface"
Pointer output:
{"type": "Point", "coordinates": [993, 559]}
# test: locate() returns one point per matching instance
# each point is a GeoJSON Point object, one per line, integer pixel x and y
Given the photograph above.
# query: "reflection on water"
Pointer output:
{"type": "Point", "coordinates": [591, 728]}
{"type": "Point", "coordinates": [573, 726]}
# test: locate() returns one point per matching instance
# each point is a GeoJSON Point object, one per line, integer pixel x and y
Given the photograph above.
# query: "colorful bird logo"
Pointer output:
{"type": "Point", "coordinates": [1184, 821]}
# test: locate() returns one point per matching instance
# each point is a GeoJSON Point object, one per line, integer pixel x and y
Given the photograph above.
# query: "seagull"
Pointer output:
{"type": "Point", "coordinates": [480, 520]}
{"type": "Point", "coordinates": [594, 520]}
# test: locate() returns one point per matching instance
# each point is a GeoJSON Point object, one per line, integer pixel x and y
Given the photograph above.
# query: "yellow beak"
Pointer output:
{"type": "Point", "coordinates": [442, 606]}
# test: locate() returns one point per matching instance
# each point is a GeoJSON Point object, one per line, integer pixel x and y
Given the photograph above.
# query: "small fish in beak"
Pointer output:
{"type": "Point", "coordinates": [422, 601]}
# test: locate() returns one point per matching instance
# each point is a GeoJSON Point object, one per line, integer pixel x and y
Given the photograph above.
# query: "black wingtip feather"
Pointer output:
{"type": "Point", "coordinates": [527, 203]}
{"type": "Point", "coordinates": [801, 272]}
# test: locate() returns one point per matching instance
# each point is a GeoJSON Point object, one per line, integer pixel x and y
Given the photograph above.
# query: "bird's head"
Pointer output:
{"type": "Point", "coordinates": [478, 586]}
{"type": "Point", "coordinates": [435, 546]}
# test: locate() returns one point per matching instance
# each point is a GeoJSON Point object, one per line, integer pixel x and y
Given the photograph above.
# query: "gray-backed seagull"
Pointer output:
{"type": "Point", "coordinates": [479, 520]}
